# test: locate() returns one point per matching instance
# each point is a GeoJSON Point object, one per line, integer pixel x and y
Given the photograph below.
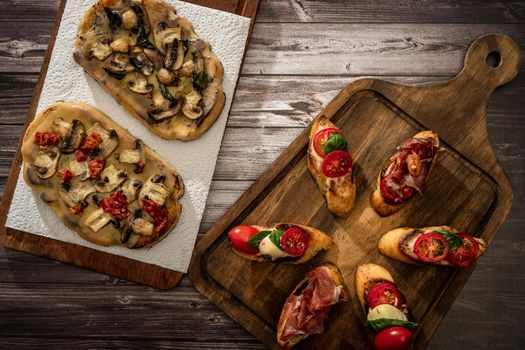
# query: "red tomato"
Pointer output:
{"type": "Point", "coordinates": [76, 209]}
{"type": "Point", "coordinates": [47, 138]}
{"type": "Point", "coordinates": [385, 293]}
{"type": "Point", "coordinates": [464, 255]}
{"type": "Point", "coordinates": [91, 142]}
{"type": "Point", "coordinates": [65, 175]}
{"type": "Point", "coordinates": [240, 235]}
{"type": "Point", "coordinates": [320, 139]}
{"type": "Point", "coordinates": [431, 247]}
{"type": "Point", "coordinates": [80, 155]}
{"type": "Point", "coordinates": [115, 205]}
{"type": "Point", "coordinates": [337, 163]}
{"type": "Point", "coordinates": [393, 338]}
{"type": "Point", "coordinates": [95, 168]}
{"type": "Point", "coordinates": [157, 212]}
{"type": "Point", "coordinates": [405, 192]}
{"type": "Point", "coordinates": [294, 241]}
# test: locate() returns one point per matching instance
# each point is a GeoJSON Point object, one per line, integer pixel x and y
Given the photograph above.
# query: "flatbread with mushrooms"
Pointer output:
{"type": "Point", "coordinates": [101, 181]}
{"type": "Point", "coordinates": [150, 59]}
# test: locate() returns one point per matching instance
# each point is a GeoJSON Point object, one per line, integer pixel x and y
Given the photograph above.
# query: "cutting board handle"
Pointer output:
{"type": "Point", "coordinates": [491, 61]}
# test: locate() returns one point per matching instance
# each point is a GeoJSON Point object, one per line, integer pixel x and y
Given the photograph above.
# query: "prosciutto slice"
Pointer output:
{"type": "Point", "coordinates": [306, 310]}
{"type": "Point", "coordinates": [396, 173]}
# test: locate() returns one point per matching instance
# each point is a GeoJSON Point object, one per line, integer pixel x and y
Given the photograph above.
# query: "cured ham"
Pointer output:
{"type": "Point", "coordinates": [307, 309]}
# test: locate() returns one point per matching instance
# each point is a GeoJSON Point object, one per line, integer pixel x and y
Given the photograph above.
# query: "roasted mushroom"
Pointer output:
{"type": "Point", "coordinates": [129, 19]}
{"type": "Point", "coordinates": [164, 36]}
{"type": "Point", "coordinates": [155, 190]}
{"type": "Point", "coordinates": [109, 139]}
{"type": "Point", "coordinates": [154, 57]}
{"type": "Point", "coordinates": [99, 48]}
{"type": "Point", "coordinates": [165, 77]}
{"type": "Point", "coordinates": [72, 193]}
{"type": "Point", "coordinates": [131, 189]}
{"type": "Point", "coordinates": [73, 138]}
{"type": "Point", "coordinates": [46, 162]}
{"type": "Point", "coordinates": [140, 85]}
{"type": "Point", "coordinates": [142, 63]}
{"type": "Point", "coordinates": [133, 156]}
{"type": "Point", "coordinates": [110, 178]}
{"type": "Point", "coordinates": [80, 169]}
{"type": "Point", "coordinates": [142, 227]}
{"type": "Point", "coordinates": [209, 97]}
{"type": "Point", "coordinates": [191, 108]}
{"type": "Point", "coordinates": [166, 106]}
{"type": "Point", "coordinates": [174, 55]}
{"type": "Point", "coordinates": [120, 45]}
{"type": "Point", "coordinates": [115, 21]}
{"type": "Point", "coordinates": [97, 220]}
{"type": "Point", "coordinates": [120, 64]}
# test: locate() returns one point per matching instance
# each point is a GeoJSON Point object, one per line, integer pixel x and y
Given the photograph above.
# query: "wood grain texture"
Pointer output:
{"type": "Point", "coordinates": [488, 314]}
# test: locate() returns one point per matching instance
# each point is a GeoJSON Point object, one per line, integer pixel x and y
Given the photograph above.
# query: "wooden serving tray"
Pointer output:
{"type": "Point", "coordinates": [88, 258]}
{"type": "Point", "coordinates": [467, 189]}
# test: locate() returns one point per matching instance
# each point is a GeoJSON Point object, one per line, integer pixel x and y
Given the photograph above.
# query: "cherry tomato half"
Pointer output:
{"type": "Point", "coordinates": [294, 241]}
{"type": "Point", "coordinates": [240, 235]}
{"type": "Point", "coordinates": [431, 247]}
{"type": "Point", "coordinates": [320, 139]}
{"type": "Point", "coordinates": [464, 255]}
{"type": "Point", "coordinates": [337, 163]}
{"type": "Point", "coordinates": [393, 338]}
{"type": "Point", "coordinates": [385, 293]}
{"type": "Point", "coordinates": [402, 195]}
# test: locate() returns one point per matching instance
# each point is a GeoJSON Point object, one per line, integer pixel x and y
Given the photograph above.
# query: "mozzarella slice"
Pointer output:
{"type": "Point", "coordinates": [386, 311]}
{"type": "Point", "coordinates": [266, 247]}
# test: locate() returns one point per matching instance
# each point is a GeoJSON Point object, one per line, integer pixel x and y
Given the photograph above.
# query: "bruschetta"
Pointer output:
{"type": "Point", "coordinates": [331, 166]}
{"type": "Point", "coordinates": [295, 244]}
{"type": "Point", "coordinates": [385, 306]}
{"type": "Point", "coordinates": [438, 245]}
{"type": "Point", "coordinates": [406, 173]}
{"type": "Point", "coordinates": [308, 306]}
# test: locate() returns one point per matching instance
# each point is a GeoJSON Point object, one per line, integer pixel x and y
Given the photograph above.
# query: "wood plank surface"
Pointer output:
{"type": "Point", "coordinates": [489, 313]}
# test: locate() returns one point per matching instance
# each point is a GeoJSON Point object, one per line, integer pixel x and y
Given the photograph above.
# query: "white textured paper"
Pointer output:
{"type": "Point", "coordinates": [195, 160]}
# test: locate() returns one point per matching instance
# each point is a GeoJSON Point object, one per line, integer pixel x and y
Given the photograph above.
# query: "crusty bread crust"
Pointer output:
{"type": "Point", "coordinates": [389, 244]}
{"type": "Point", "coordinates": [367, 273]}
{"type": "Point", "coordinates": [339, 199]}
{"type": "Point", "coordinates": [336, 276]}
{"type": "Point", "coordinates": [318, 241]}
{"type": "Point", "coordinates": [382, 207]}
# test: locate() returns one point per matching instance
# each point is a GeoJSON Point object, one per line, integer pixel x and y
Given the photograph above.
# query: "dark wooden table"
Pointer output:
{"type": "Point", "coordinates": [301, 54]}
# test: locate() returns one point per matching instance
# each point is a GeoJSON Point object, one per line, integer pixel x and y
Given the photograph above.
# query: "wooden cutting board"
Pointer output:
{"type": "Point", "coordinates": [88, 258]}
{"type": "Point", "coordinates": [467, 189]}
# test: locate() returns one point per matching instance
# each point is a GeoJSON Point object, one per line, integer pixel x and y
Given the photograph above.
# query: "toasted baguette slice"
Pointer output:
{"type": "Point", "coordinates": [318, 240]}
{"type": "Point", "coordinates": [378, 202]}
{"type": "Point", "coordinates": [390, 242]}
{"type": "Point", "coordinates": [336, 277]}
{"type": "Point", "coordinates": [368, 273]}
{"type": "Point", "coordinates": [339, 193]}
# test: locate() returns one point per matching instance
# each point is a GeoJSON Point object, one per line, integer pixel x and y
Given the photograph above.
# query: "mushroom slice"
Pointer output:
{"type": "Point", "coordinates": [165, 77]}
{"type": "Point", "coordinates": [155, 190]}
{"type": "Point", "coordinates": [133, 156]}
{"type": "Point", "coordinates": [99, 49]}
{"type": "Point", "coordinates": [166, 106]}
{"type": "Point", "coordinates": [187, 69]}
{"type": "Point", "coordinates": [80, 169]}
{"type": "Point", "coordinates": [129, 19]}
{"type": "Point", "coordinates": [191, 108]}
{"type": "Point", "coordinates": [142, 227]}
{"type": "Point", "coordinates": [110, 178]}
{"type": "Point", "coordinates": [98, 219]}
{"type": "Point", "coordinates": [209, 97]}
{"type": "Point", "coordinates": [174, 55]}
{"type": "Point", "coordinates": [75, 192]}
{"type": "Point", "coordinates": [198, 61]}
{"type": "Point", "coordinates": [74, 138]}
{"type": "Point", "coordinates": [164, 36]}
{"type": "Point", "coordinates": [131, 189]}
{"type": "Point", "coordinates": [155, 58]}
{"type": "Point", "coordinates": [109, 139]}
{"type": "Point", "coordinates": [120, 64]}
{"type": "Point", "coordinates": [142, 63]}
{"type": "Point", "coordinates": [140, 85]}
{"type": "Point", "coordinates": [120, 45]}
{"type": "Point", "coordinates": [61, 126]}
{"type": "Point", "coordinates": [46, 162]}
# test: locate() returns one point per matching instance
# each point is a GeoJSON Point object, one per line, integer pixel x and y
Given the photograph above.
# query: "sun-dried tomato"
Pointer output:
{"type": "Point", "coordinates": [80, 155]}
{"type": "Point", "coordinates": [95, 168]}
{"type": "Point", "coordinates": [157, 212]}
{"type": "Point", "coordinates": [91, 142]}
{"type": "Point", "coordinates": [65, 175]}
{"type": "Point", "coordinates": [47, 138]}
{"type": "Point", "coordinates": [115, 205]}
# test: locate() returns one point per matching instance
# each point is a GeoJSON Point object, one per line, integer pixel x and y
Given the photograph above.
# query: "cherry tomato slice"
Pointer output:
{"type": "Point", "coordinates": [393, 338]}
{"type": "Point", "coordinates": [294, 241]}
{"type": "Point", "coordinates": [239, 237]}
{"type": "Point", "coordinates": [431, 247]}
{"type": "Point", "coordinates": [404, 193]}
{"type": "Point", "coordinates": [320, 139]}
{"type": "Point", "coordinates": [385, 293]}
{"type": "Point", "coordinates": [337, 163]}
{"type": "Point", "coordinates": [464, 255]}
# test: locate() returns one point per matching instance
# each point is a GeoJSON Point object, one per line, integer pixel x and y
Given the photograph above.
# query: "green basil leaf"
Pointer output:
{"type": "Point", "coordinates": [275, 237]}
{"type": "Point", "coordinates": [256, 240]}
{"type": "Point", "coordinates": [201, 80]}
{"type": "Point", "coordinates": [454, 241]}
{"type": "Point", "coordinates": [335, 142]}
{"type": "Point", "coordinates": [382, 323]}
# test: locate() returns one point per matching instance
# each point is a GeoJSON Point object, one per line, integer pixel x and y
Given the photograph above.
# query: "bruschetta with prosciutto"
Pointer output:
{"type": "Point", "coordinates": [295, 244]}
{"type": "Point", "coordinates": [331, 166]}
{"type": "Point", "coordinates": [308, 306]}
{"type": "Point", "coordinates": [406, 173]}
{"type": "Point", "coordinates": [437, 245]}
{"type": "Point", "coordinates": [385, 306]}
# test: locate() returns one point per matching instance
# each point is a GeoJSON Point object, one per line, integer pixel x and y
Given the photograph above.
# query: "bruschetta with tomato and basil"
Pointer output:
{"type": "Point", "coordinates": [385, 306]}
{"type": "Point", "coordinates": [295, 244]}
{"type": "Point", "coordinates": [331, 166]}
{"type": "Point", "coordinates": [438, 245]}
{"type": "Point", "coordinates": [406, 173]}
{"type": "Point", "coordinates": [308, 307]}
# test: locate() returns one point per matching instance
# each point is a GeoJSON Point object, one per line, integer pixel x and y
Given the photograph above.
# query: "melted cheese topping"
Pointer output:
{"type": "Point", "coordinates": [266, 247]}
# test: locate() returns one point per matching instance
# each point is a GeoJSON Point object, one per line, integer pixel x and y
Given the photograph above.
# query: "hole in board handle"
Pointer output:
{"type": "Point", "coordinates": [493, 59]}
